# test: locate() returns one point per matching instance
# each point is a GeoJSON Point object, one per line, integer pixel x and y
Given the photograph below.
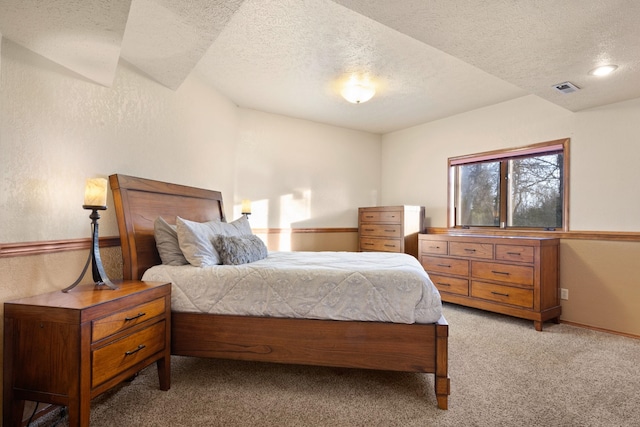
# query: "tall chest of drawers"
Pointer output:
{"type": "Point", "coordinates": [390, 228]}
{"type": "Point", "coordinates": [516, 276]}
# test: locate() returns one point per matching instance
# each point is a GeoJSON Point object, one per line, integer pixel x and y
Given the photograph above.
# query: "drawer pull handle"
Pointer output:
{"type": "Point", "coordinates": [444, 284]}
{"type": "Point", "coordinates": [368, 216]}
{"type": "Point", "coordinates": [390, 231]}
{"type": "Point", "coordinates": [390, 246]}
{"type": "Point", "coordinates": [128, 319]}
{"type": "Point", "coordinates": [444, 265]}
{"type": "Point", "coordinates": [434, 247]}
{"type": "Point", "coordinates": [514, 253]}
{"type": "Point", "coordinates": [368, 229]}
{"type": "Point", "coordinates": [368, 244]}
{"type": "Point", "coordinates": [499, 293]}
{"type": "Point", "coordinates": [130, 352]}
{"type": "Point", "coordinates": [469, 250]}
{"type": "Point", "coordinates": [500, 272]}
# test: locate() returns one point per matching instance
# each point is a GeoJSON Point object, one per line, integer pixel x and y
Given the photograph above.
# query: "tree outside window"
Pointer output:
{"type": "Point", "coordinates": [519, 188]}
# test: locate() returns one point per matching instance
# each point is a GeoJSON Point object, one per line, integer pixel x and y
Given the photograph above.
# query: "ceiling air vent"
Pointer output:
{"type": "Point", "coordinates": [566, 87]}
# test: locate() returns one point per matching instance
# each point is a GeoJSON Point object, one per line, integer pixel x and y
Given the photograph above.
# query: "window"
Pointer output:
{"type": "Point", "coordinates": [518, 188]}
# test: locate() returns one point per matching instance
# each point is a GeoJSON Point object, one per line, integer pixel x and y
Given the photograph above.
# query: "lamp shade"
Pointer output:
{"type": "Point", "coordinates": [246, 206]}
{"type": "Point", "coordinates": [95, 192]}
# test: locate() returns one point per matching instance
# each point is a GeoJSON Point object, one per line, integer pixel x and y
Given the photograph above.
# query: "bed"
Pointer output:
{"type": "Point", "coordinates": [381, 345]}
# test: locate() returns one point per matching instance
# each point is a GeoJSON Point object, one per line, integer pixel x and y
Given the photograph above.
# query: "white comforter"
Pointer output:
{"type": "Point", "coordinates": [368, 286]}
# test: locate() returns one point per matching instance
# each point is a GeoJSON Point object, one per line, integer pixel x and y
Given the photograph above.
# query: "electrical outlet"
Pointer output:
{"type": "Point", "coordinates": [564, 293]}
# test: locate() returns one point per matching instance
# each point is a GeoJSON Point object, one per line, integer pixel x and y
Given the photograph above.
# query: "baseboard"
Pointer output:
{"type": "Point", "coordinates": [595, 328]}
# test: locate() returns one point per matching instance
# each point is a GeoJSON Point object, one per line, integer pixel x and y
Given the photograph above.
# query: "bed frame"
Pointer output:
{"type": "Point", "coordinates": [369, 345]}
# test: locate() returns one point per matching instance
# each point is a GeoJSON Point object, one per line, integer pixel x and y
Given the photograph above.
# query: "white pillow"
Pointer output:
{"type": "Point", "coordinates": [239, 227]}
{"type": "Point", "coordinates": [195, 241]}
{"type": "Point", "coordinates": [196, 238]}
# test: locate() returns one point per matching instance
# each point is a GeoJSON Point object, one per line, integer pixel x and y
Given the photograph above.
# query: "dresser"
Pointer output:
{"type": "Point", "coordinates": [67, 348]}
{"type": "Point", "coordinates": [515, 276]}
{"type": "Point", "coordinates": [390, 228]}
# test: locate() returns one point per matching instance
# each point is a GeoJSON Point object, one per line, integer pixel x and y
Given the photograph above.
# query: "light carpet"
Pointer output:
{"type": "Point", "coordinates": [503, 373]}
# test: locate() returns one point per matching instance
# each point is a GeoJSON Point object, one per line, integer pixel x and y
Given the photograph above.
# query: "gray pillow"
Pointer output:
{"type": "Point", "coordinates": [167, 243]}
{"type": "Point", "coordinates": [235, 250]}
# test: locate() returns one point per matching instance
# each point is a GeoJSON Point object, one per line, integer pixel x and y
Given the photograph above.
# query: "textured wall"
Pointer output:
{"type": "Point", "coordinates": [57, 130]}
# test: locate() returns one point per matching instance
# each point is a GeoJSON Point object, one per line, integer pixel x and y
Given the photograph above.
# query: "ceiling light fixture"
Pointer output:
{"type": "Point", "coordinates": [603, 70]}
{"type": "Point", "coordinates": [357, 90]}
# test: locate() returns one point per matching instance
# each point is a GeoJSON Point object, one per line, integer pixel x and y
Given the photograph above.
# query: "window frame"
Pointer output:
{"type": "Point", "coordinates": [541, 148]}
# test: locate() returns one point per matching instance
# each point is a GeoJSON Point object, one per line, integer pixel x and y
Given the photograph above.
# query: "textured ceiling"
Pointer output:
{"type": "Point", "coordinates": [428, 59]}
{"type": "Point", "coordinates": [82, 35]}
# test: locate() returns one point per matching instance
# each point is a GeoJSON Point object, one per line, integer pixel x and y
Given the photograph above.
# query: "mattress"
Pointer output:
{"type": "Point", "coordinates": [362, 286]}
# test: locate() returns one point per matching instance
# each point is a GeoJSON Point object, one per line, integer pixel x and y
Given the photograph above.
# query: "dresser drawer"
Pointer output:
{"type": "Point", "coordinates": [122, 354]}
{"type": "Point", "coordinates": [516, 274]}
{"type": "Point", "coordinates": [452, 285]}
{"type": "Point", "coordinates": [380, 245]}
{"type": "Point", "coordinates": [394, 217]}
{"type": "Point", "coordinates": [514, 253]}
{"type": "Point", "coordinates": [471, 250]}
{"type": "Point", "coordinates": [435, 247]}
{"type": "Point", "coordinates": [106, 326]}
{"type": "Point", "coordinates": [381, 230]}
{"type": "Point", "coordinates": [504, 294]}
{"type": "Point", "coordinates": [459, 267]}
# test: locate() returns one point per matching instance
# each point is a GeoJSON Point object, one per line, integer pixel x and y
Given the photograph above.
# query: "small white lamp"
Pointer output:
{"type": "Point", "coordinates": [246, 207]}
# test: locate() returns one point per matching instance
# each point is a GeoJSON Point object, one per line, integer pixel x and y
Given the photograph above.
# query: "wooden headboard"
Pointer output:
{"type": "Point", "coordinates": [138, 202]}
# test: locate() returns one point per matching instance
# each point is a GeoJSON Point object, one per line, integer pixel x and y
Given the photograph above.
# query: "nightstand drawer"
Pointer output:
{"type": "Point", "coordinates": [452, 285]}
{"type": "Point", "coordinates": [102, 328]}
{"type": "Point", "coordinates": [516, 274]}
{"type": "Point", "coordinates": [391, 216]}
{"type": "Point", "coordinates": [503, 294]}
{"type": "Point", "coordinates": [381, 245]}
{"type": "Point", "coordinates": [122, 354]}
{"type": "Point", "coordinates": [381, 230]}
{"type": "Point", "coordinates": [459, 267]}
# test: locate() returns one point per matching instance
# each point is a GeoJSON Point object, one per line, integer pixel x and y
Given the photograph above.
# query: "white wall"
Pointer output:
{"type": "Point", "coordinates": [604, 157]}
{"type": "Point", "coordinates": [303, 174]}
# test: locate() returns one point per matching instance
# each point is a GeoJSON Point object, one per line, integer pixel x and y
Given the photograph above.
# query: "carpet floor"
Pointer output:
{"type": "Point", "coordinates": [503, 373]}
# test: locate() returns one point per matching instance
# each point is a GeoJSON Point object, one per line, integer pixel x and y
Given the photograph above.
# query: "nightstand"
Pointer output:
{"type": "Point", "coordinates": [67, 348]}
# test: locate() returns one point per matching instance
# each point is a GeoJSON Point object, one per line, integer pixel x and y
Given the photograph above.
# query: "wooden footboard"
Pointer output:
{"type": "Point", "coordinates": [367, 345]}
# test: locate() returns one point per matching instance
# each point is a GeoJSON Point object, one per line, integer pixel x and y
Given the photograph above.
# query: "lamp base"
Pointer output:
{"type": "Point", "coordinates": [99, 276]}
{"type": "Point", "coordinates": [100, 283]}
